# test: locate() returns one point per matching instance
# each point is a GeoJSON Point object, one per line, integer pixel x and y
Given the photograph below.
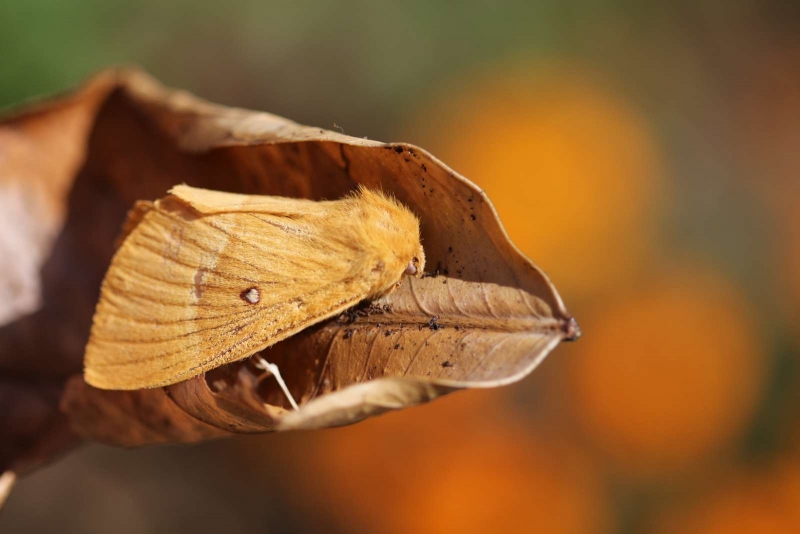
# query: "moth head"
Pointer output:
{"type": "Point", "coordinates": [393, 235]}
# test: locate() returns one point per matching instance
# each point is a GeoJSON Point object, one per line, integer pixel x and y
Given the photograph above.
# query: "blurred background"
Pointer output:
{"type": "Point", "coordinates": [646, 157]}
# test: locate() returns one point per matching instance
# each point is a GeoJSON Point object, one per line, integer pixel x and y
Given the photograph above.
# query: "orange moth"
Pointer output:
{"type": "Point", "coordinates": [203, 278]}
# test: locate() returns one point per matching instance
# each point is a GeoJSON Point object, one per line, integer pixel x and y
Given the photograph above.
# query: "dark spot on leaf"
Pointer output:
{"type": "Point", "coordinates": [363, 309]}
{"type": "Point", "coordinates": [439, 270]}
{"type": "Point", "coordinates": [433, 274]}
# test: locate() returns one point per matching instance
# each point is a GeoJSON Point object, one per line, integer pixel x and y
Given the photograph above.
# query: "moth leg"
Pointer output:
{"type": "Point", "coordinates": [273, 370]}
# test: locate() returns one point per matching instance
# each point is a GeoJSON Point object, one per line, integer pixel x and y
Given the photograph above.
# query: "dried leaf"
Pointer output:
{"type": "Point", "coordinates": [485, 316]}
{"type": "Point", "coordinates": [7, 481]}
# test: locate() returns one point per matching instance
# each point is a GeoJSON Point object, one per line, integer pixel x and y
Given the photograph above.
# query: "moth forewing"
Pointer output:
{"type": "Point", "coordinates": [204, 278]}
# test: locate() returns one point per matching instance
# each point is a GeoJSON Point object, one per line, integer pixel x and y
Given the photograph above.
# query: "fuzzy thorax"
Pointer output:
{"type": "Point", "coordinates": [389, 234]}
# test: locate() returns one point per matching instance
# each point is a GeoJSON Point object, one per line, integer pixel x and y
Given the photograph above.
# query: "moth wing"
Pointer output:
{"type": "Point", "coordinates": [210, 202]}
{"type": "Point", "coordinates": [135, 216]}
{"type": "Point", "coordinates": [188, 292]}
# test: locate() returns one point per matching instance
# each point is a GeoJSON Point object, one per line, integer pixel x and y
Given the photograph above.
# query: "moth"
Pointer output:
{"type": "Point", "coordinates": [203, 278]}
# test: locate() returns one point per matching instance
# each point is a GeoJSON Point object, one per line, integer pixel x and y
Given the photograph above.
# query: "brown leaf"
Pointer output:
{"type": "Point", "coordinates": [486, 317]}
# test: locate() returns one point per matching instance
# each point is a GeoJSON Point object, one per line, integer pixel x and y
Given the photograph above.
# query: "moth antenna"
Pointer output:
{"type": "Point", "coordinates": [274, 371]}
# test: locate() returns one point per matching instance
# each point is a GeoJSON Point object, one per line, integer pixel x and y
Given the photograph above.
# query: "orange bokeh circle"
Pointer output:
{"type": "Point", "coordinates": [572, 168]}
{"type": "Point", "coordinates": [668, 373]}
{"type": "Point", "coordinates": [463, 464]}
{"type": "Point", "coordinates": [751, 503]}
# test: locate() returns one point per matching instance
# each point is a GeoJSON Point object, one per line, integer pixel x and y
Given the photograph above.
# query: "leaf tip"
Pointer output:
{"type": "Point", "coordinates": [572, 330]}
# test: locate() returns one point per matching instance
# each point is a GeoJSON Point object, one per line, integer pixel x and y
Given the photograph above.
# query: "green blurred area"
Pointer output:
{"type": "Point", "coordinates": [715, 83]}
{"type": "Point", "coordinates": [360, 62]}
{"type": "Point", "coordinates": [323, 60]}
